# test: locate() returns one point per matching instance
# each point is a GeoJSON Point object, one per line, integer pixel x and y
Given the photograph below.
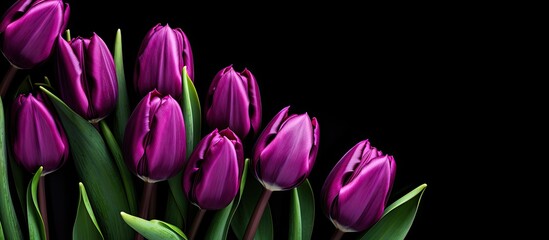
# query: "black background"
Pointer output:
{"type": "Point", "coordinates": [397, 74]}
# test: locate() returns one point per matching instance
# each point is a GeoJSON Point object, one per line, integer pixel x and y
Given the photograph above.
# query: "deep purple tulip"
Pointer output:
{"type": "Point", "coordinates": [357, 189]}
{"type": "Point", "coordinates": [38, 138]}
{"type": "Point", "coordinates": [87, 76]}
{"type": "Point", "coordinates": [211, 178]}
{"type": "Point", "coordinates": [286, 150]}
{"type": "Point", "coordinates": [154, 141]}
{"type": "Point", "coordinates": [234, 101]}
{"type": "Point", "coordinates": [163, 54]}
{"type": "Point", "coordinates": [29, 28]}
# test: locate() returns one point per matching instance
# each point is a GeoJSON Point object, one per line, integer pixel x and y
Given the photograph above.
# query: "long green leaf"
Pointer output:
{"type": "Point", "coordinates": [190, 106]}
{"type": "Point", "coordinates": [1, 232]}
{"type": "Point", "coordinates": [36, 225]}
{"type": "Point", "coordinates": [245, 210]}
{"type": "Point", "coordinates": [85, 226]}
{"type": "Point", "coordinates": [96, 169]}
{"type": "Point", "coordinates": [302, 212]}
{"type": "Point", "coordinates": [125, 173]}
{"type": "Point", "coordinates": [20, 178]}
{"type": "Point", "coordinates": [8, 217]}
{"type": "Point", "coordinates": [221, 222]}
{"type": "Point", "coordinates": [121, 113]}
{"type": "Point", "coordinates": [153, 229]}
{"type": "Point", "coordinates": [397, 218]}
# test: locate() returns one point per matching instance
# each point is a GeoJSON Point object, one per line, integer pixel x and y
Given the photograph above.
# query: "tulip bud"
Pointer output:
{"type": "Point", "coordinates": [29, 28]}
{"type": "Point", "coordinates": [163, 54]}
{"type": "Point", "coordinates": [286, 150]}
{"type": "Point", "coordinates": [38, 138]}
{"type": "Point", "coordinates": [87, 76]}
{"type": "Point", "coordinates": [357, 189]}
{"type": "Point", "coordinates": [211, 178]}
{"type": "Point", "coordinates": [234, 102]}
{"type": "Point", "coordinates": [154, 140]}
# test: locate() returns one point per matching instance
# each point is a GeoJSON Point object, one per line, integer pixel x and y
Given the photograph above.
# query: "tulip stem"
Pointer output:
{"type": "Point", "coordinates": [196, 223]}
{"type": "Point", "coordinates": [7, 80]}
{"type": "Point", "coordinates": [337, 234]}
{"type": "Point", "coordinates": [144, 208]}
{"type": "Point", "coordinates": [258, 213]}
{"type": "Point", "coordinates": [42, 204]}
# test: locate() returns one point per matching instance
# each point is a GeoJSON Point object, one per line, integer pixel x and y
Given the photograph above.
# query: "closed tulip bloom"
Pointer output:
{"type": "Point", "coordinates": [163, 54]}
{"type": "Point", "coordinates": [211, 178]}
{"type": "Point", "coordinates": [286, 150]}
{"type": "Point", "coordinates": [357, 189]}
{"type": "Point", "coordinates": [29, 28]}
{"type": "Point", "coordinates": [234, 101]}
{"type": "Point", "coordinates": [154, 140]}
{"type": "Point", "coordinates": [87, 76]}
{"type": "Point", "coordinates": [38, 138]}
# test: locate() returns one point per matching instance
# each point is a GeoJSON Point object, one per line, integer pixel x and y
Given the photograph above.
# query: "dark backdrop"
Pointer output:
{"type": "Point", "coordinates": [385, 73]}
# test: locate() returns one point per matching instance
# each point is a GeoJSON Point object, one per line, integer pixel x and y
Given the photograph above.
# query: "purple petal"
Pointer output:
{"type": "Point", "coordinates": [267, 135]}
{"type": "Point", "coordinates": [102, 81]}
{"type": "Point", "coordinates": [186, 54]}
{"type": "Point", "coordinates": [255, 101]}
{"type": "Point", "coordinates": [29, 40]}
{"type": "Point", "coordinates": [17, 8]}
{"type": "Point", "coordinates": [71, 84]}
{"type": "Point", "coordinates": [284, 163]}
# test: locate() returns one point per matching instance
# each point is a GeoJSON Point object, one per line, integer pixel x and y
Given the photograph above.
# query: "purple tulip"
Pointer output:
{"type": "Point", "coordinates": [87, 76]}
{"type": "Point", "coordinates": [357, 189]}
{"type": "Point", "coordinates": [38, 139]}
{"type": "Point", "coordinates": [286, 150]}
{"type": "Point", "coordinates": [211, 178]}
{"type": "Point", "coordinates": [29, 28]}
{"type": "Point", "coordinates": [234, 101]}
{"type": "Point", "coordinates": [154, 141]}
{"type": "Point", "coordinates": [163, 54]}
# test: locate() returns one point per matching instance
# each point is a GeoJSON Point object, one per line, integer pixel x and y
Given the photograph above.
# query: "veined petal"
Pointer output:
{"type": "Point", "coordinates": [70, 75]}
{"type": "Point", "coordinates": [101, 77]}
{"type": "Point", "coordinates": [268, 134]}
{"type": "Point", "coordinates": [255, 109]}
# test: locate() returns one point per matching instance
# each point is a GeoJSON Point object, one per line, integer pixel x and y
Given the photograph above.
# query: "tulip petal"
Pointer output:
{"type": "Point", "coordinates": [29, 40]}
{"type": "Point", "coordinates": [72, 87]}
{"type": "Point", "coordinates": [255, 101]}
{"type": "Point", "coordinates": [267, 135]}
{"type": "Point", "coordinates": [186, 56]}
{"type": "Point", "coordinates": [17, 8]}
{"type": "Point", "coordinates": [361, 202]}
{"type": "Point", "coordinates": [101, 78]}
{"type": "Point", "coordinates": [287, 156]}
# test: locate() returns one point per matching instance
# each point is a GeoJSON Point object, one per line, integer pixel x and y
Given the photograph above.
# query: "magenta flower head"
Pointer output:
{"type": "Point", "coordinates": [163, 54]}
{"type": "Point", "coordinates": [358, 187]}
{"type": "Point", "coordinates": [87, 76]}
{"type": "Point", "coordinates": [154, 141]}
{"type": "Point", "coordinates": [29, 28]}
{"type": "Point", "coordinates": [234, 101]}
{"type": "Point", "coordinates": [211, 178]}
{"type": "Point", "coordinates": [38, 138]}
{"type": "Point", "coordinates": [286, 150]}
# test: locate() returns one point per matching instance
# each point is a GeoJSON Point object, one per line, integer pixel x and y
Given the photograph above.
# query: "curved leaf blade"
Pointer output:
{"type": "Point", "coordinates": [153, 229]}
{"type": "Point", "coordinates": [85, 226]}
{"type": "Point", "coordinates": [8, 217]}
{"type": "Point", "coordinates": [221, 222]}
{"type": "Point", "coordinates": [34, 219]}
{"type": "Point", "coordinates": [302, 212]}
{"type": "Point", "coordinates": [125, 173]}
{"type": "Point", "coordinates": [96, 169]}
{"type": "Point", "coordinates": [398, 217]}
{"type": "Point", "coordinates": [248, 201]}
{"type": "Point", "coordinates": [121, 112]}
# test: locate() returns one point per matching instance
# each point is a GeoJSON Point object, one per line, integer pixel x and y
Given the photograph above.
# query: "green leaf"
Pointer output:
{"type": "Point", "coordinates": [397, 218]}
{"type": "Point", "coordinates": [96, 169]}
{"type": "Point", "coordinates": [20, 180]}
{"type": "Point", "coordinates": [245, 209]}
{"type": "Point", "coordinates": [221, 222]}
{"type": "Point", "coordinates": [85, 225]}
{"type": "Point", "coordinates": [36, 225]}
{"type": "Point", "coordinates": [190, 106]}
{"type": "Point", "coordinates": [121, 113]}
{"type": "Point", "coordinates": [1, 232]}
{"type": "Point", "coordinates": [153, 229]}
{"type": "Point", "coordinates": [8, 217]}
{"type": "Point", "coordinates": [302, 212]}
{"type": "Point", "coordinates": [125, 173]}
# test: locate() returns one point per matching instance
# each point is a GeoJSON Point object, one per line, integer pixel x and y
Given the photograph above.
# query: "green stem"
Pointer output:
{"type": "Point", "coordinates": [258, 213]}
{"type": "Point", "coordinates": [196, 223]}
{"type": "Point", "coordinates": [42, 204]}
{"type": "Point", "coordinates": [148, 190]}
{"type": "Point", "coordinates": [8, 78]}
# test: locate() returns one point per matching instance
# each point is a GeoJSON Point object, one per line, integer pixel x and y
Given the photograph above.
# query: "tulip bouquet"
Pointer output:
{"type": "Point", "coordinates": [122, 150]}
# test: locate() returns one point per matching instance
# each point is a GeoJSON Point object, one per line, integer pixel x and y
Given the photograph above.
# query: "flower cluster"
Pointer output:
{"type": "Point", "coordinates": [70, 117]}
